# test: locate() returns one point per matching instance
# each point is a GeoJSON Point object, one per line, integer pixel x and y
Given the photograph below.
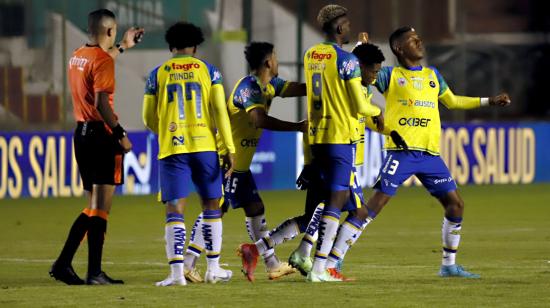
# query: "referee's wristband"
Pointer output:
{"type": "Point", "coordinates": [119, 132]}
{"type": "Point", "coordinates": [120, 48]}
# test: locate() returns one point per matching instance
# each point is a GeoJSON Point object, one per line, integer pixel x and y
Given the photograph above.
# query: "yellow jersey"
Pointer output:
{"type": "Point", "coordinates": [412, 102]}
{"type": "Point", "coordinates": [334, 95]}
{"type": "Point", "coordinates": [247, 95]}
{"type": "Point", "coordinates": [184, 104]}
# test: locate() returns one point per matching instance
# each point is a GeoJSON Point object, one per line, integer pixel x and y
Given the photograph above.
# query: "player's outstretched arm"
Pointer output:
{"type": "Point", "coordinates": [452, 101]}
{"type": "Point", "coordinates": [262, 120]}
{"type": "Point", "coordinates": [294, 89]}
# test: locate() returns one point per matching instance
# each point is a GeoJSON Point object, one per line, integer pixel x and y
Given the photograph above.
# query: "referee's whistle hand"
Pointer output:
{"type": "Point", "coordinates": [126, 144]}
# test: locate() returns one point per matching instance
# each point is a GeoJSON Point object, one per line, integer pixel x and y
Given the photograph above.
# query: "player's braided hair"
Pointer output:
{"type": "Point", "coordinates": [182, 35]}
{"type": "Point", "coordinates": [328, 14]}
{"type": "Point", "coordinates": [256, 53]}
{"type": "Point", "coordinates": [368, 54]}
{"type": "Point", "coordinates": [396, 35]}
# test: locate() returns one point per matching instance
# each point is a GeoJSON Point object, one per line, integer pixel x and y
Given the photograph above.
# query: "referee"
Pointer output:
{"type": "Point", "coordinates": [99, 142]}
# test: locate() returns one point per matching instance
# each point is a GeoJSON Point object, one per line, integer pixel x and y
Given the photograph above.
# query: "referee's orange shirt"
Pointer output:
{"type": "Point", "coordinates": [91, 70]}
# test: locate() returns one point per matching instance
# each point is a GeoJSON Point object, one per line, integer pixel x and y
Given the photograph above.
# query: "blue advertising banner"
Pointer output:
{"type": "Point", "coordinates": [42, 164]}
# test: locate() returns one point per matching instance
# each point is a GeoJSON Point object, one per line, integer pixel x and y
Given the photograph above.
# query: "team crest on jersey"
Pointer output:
{"type": "Point", "coordinates": [417, 83]}
{"type": "Point", "coordinates": [401, 81]}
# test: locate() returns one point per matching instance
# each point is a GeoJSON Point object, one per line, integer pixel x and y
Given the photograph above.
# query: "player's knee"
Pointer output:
{"type": "Point", "coordinates": [253, 209]}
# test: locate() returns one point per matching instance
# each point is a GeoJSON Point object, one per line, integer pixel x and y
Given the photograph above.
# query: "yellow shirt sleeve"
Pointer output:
{"type": "Point", "coordinates": [149, 113]}
{"type": "Point", "coordinates": [358, 99]}
{"type": "Point", "coordinates": [221, 116]}
{"type": "Point", "coordinates": [452, 101]}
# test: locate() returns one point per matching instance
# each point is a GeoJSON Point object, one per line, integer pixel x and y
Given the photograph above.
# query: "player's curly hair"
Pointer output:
{"type": "Point", "coordinates": [397, 34]}
{"type": "Point", "coordinates": [182, 35]}
{"type": "Point", "coordinates": [328, 14]}
{"type": "Point", "coordinates": [368, 54]}
{"type": "Point", "coordinates": [256, 53]}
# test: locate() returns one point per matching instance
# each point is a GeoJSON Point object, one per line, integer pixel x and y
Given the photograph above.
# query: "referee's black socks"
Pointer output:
{"type": "Point", "coordinates": [96, 238]}
{"type": "Point", "coordinates": [76, 235]}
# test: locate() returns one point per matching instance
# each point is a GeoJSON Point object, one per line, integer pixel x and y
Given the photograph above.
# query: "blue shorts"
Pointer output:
{"type": "Point", "coordinates": [335, 163]}
{"type": "Point", "coordinates": [318, 193]}
{"type": "Point", "coordinates": [356, 197]}
{"type": "Point", "coordinates": [430, 170]}
{"type": "Point", "coordinates": [240, 189]}
{"type": "Point", "coordinates": [177, 171]}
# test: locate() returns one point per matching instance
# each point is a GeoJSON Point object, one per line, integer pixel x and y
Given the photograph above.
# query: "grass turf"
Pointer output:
{"type": "Point", "coordinates": [505, 238]}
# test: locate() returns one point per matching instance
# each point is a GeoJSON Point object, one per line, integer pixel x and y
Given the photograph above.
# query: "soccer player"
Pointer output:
{"type": "Point", "coordinates": [99, 141]}
{"type": "Point", "coordinates": [370, 60]}
{"type": "Point", "coordinates": [335, 98]}
{"type": "Point", "coordinates": [248, 107]}
{"type": "Point", "coordinates": [184, 104]}
{"type": "Point", "coordinates": [413, 93]}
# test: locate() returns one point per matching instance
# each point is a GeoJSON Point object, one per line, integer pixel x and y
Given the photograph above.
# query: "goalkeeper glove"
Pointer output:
{"type": "Point", "coordinates": [398, 140]}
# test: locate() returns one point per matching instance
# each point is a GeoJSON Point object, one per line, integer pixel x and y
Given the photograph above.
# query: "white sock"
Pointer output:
{"type": "Point", "coordinates": [348, 233]}
{"type": "Point", "coordinates": [450, 233]}
{"type": "Point", "coordinates": [311, 234]}
{"type": "Point", "coordinates": [195, 246]}
{"type": "Point", "coordinates": [284, 232]}
{"type": "Point", "coordinates": [174, 235]}
{"type": "Point", "coordinates": [257, 229]}
{"type": "Point", "coordinates": [212, 234]}
{"type": "Point", "coordinates": [328, 229]}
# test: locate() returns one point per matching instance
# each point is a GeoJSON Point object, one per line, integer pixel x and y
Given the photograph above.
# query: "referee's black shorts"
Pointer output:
{"type": "Point", "coordinates": [99, 156]}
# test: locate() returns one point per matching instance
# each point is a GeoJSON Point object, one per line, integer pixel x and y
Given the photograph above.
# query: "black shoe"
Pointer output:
{"type": "Point", "coordinates": [65, 274]}
{"type": "Point", "coordinates": [101, 279]}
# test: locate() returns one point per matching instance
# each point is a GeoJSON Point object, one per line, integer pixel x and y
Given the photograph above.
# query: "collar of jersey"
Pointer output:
{"type": "Point", "coordinates": [257, 80]}
{"type": "Point", "coordinates": [181, 56]}
{"type": "Point", "coordinates": [414, 68]}
{"type": "Point", "coordinates": [329, 43]}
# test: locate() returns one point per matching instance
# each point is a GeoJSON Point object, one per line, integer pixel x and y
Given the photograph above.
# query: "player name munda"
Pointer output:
{"type": "Point", "coordinates": [422, 122]}
{"type": "Point", "coordinates": [320, 56]}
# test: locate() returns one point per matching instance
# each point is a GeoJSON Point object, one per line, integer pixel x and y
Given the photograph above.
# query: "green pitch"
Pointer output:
{"type": "Point", "coordinates": [505, 238]}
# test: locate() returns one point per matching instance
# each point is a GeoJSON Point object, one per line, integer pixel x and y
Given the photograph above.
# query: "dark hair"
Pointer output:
{"type": "Point", "coordinates": [397, 34]}
{"type": "Point", "coordinates": [94, 20]}
{"type": "Point", "coordinates": [256, 53]}
{"type": "Point", "coordinates": [368, 54]}
{"type": "Point", "coordinates": [182, 35]}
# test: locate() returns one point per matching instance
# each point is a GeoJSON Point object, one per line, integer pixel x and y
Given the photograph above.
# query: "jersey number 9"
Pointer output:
{"type": "Point", "coordinates": [317, 83]}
